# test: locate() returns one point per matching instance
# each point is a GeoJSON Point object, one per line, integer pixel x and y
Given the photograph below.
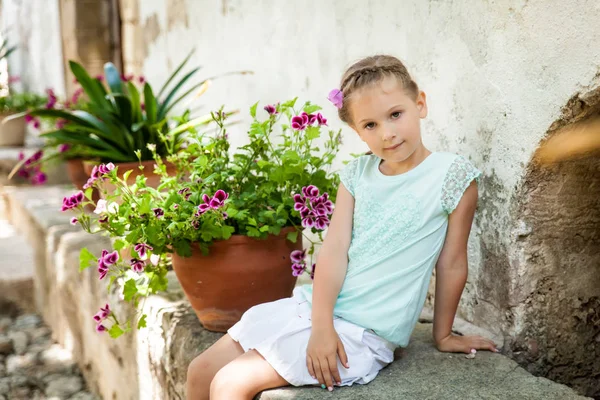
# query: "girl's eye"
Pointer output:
{"type": "Point", "coordinates": [370, 125]}
{"type": "Point", "coordinates": [396, 115]}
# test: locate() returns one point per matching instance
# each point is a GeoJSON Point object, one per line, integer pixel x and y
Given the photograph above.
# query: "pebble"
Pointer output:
{"type": "Point", "coordinates": [19, 341]}
{"type": "Point", "coordinates": [32, 367]}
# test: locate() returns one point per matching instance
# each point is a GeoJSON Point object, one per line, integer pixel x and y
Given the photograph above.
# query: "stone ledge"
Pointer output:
{"type": "Point", "coordinates": [152, 363]}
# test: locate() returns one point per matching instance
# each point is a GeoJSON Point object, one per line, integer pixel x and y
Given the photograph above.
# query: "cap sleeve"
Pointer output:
{"type": "Point", "coordinates": [348, 175]}
{"type": "Point", "coordinates": [458, 178]}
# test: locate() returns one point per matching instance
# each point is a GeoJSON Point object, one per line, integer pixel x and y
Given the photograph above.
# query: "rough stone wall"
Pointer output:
{"type": "Point", "coordinates": [555, 284]}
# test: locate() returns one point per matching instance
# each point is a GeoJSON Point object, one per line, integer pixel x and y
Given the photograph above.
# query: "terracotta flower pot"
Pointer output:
{"type": "Point", "coordinates": [13, 132]}
{"type": "Point", "coordinates": [79, 177]}
{"type": "Point", "coordinates": [236, 274]}
{"type": "Point", "coordinates": [77, 173]}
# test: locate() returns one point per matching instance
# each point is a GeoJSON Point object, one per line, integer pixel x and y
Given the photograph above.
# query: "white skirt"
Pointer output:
{"type": "Point", "coordinates": [280, 331]}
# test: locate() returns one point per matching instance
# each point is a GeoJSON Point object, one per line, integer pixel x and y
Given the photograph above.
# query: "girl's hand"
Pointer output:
{"type": "Point", "coordinates": [464, 344]}
{"type": "Point", "coordinates": [322, 352]}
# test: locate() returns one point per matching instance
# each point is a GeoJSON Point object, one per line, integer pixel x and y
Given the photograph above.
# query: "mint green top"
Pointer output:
{"type": "Point", "coordinates": [399, 227]}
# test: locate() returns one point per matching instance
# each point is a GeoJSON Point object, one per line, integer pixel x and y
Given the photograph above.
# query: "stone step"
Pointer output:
{"type": "Point", "coordinates": [152, 363]}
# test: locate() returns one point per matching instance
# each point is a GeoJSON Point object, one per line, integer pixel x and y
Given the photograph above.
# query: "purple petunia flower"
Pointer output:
{"type": "Point", "coordinates": [74, 221]}
{"type": "Point", "coordinates": [72, 201]}
{"type": "Point", "coordinates": [321, 222]}
{"type": "Point", "coordinates": [321, 120]}
{"type": "Point", "coordinates": [297, 269]}
{"type": "Point", "coordinates": [310, 191]}
{"type": "Point", "coordinates": [271, 109]}
{"type": "Point", "coordinates": [104, 169]}
{"type": "Point", "coordinates": [39, 178]}
{"type": "Point", "coordinates": [63, 147]}
{"type": "Point", "coordinates": [141, 248]}
{"type": "Point", "coordinates": [336, 97]}
{"type": "Point", "coordinates": [297, 256]}
{"type": "Point", "coordinates": [311, 118]}
{"type": "Point", "coordinates": [300, 122]}
{"type": "Point", "coordinates": [218, 199]}
{"type": "Point", "coordinates": [51, 99]}
{"type": "Point", "coordinates": [137, 265]}
{"type": "Point", "coordinates": [28, 118]}
{"type": "Point", "coordinates": [158, 212]}
{"type": "Point", "coordinates": [100, 328]}
{"type": "Point", "coordinates": [110, 258]}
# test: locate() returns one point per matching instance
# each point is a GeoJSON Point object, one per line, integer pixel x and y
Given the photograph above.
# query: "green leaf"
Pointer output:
{"type": "Point", "coordinates": [289, 103]}
{"type": "Point", "coordinates": [292, 236]}
{"type": "Point", "coordinates": [150, 104]}
{"type": "Point", "coordinates": [165, 104]}
{"type": "Point", "coordinates": [115, 331]}
{"type": "Point", "coordinates": [311, 108]}
{"type": "Point", "coordinates": [85, 258]}
{"type": "Point", "coordinates": [312, 132]}
{"type": "Point", "coordinates": [253, 110]}
{"type": "Point", "coordinates": [88, 193]}
{"type": "Point", "coordinates": [113, 78]}
{"type": "Point", "coordinates": [91, 86]}
{"type": "Point", "coordinates": [119, 244]}
{"type": "Point", "coordinates": [129, 290]}
{"type": "Point", "coordinates": [183, 248]}
{"type": "Point", "coordinates": [142, 322]}
{"type": "Point", "coordinates": [136, 107]}
{"type": "Point", "coordinates": [179, 68]}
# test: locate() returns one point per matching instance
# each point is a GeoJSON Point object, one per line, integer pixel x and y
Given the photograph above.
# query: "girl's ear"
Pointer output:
{"type": "Point", "coordinates": [422, 104]}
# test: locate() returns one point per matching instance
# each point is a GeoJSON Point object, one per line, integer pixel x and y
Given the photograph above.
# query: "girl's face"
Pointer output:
{"type": "Point", "coordinates": [387, 119]}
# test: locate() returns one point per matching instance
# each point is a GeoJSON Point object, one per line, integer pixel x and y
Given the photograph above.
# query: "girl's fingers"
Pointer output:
{"type": "Point", "coordinates": [332, 361]}
{"type": "Point", "coordinates": [318, 372]}
{"type": "Point", "coordinates": [342, 354]}
{"type": "Point", "coordinates": [325, 372]}
{"type": "Point", "coordinates": [309, 365]}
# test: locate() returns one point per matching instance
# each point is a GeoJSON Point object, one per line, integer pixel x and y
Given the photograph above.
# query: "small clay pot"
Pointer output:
{"type": "Point", "coordinates": [236, 274]}
{"type": "Point", "coordinates": [13, 132]}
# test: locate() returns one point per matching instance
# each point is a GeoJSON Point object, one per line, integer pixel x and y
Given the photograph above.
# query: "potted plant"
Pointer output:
{"type": "Point", "coordinates": [116, 119]}
{"type": "Point", "coordinates": [228, 222]}
{"type": "Point", "coordinates": [12, 130]}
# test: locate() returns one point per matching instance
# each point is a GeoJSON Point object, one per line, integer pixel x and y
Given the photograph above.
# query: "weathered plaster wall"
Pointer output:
{"type": "Point", "coordinates": [496, 73]}
{"type": "Point", "coordinates": [34, 26]}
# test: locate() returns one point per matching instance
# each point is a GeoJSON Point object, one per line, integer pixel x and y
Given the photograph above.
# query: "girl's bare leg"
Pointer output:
{"type": "Point", "coordinates": [203, 368]}
{"type": "Point", "coordinates": [244, 377]}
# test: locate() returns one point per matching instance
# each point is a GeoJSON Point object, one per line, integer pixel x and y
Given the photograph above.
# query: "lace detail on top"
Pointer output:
{"type": "Point", "coordinates": [348, 175]}
{"type": "Point", "coordinates": [458, 178]}
{"type": "Point", "coordinates": [389, 222]}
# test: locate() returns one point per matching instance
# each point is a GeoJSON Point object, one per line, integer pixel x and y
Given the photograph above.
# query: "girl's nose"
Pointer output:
{"type": "Point", "coordinates": [389, 134]}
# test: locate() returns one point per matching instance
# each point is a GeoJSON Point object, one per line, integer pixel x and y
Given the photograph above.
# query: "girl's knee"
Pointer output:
{"type": "Point", "coordinates": [226, 385]}
{"type": "Point", "coordinates": [198, 378]}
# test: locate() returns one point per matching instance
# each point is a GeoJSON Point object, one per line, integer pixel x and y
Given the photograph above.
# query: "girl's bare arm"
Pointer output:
{"type": "Point", "coordinates": [451, 276]}
{"type": "Point", "coordinates": [325, 346]}
{"type": "Point", "coordinates": [332, 261]}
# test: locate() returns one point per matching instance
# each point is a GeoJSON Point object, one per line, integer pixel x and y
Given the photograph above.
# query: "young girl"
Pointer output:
{"type": "Point", "coordinates": [400, 211]}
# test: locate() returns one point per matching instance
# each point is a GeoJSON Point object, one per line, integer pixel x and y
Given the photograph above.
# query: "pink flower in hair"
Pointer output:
{"type": "Point", "coordinates": [336, 97]}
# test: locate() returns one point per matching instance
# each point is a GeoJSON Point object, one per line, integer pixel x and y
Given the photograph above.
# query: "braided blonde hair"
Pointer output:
{"type": "Point", "coordinates": [368, 71]}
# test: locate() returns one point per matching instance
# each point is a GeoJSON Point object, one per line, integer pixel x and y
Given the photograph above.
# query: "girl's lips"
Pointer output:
{"type": "Point", "coordinates": [393, 147]}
